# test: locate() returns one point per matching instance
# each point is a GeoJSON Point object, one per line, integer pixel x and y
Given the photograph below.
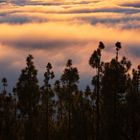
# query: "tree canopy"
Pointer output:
{"type": "Point", "coordinates": [108, 109]}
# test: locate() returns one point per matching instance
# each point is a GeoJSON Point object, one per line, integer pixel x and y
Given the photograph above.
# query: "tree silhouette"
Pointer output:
{"type": "Point", "coordinates": [70, 78]}
{"type": "Point", "coordinates": [4, 82]}
{"type": "Point", "coordinates": [62, 111]}
{"type": "Point", "coordinates": [61, 105]}
{"type": "Point", "coordinates": [47, 95]}
{"type": "Point", "coordinates": [118, 47]}
{"type": "Point", "coordinates": [28, 94]}
{"type": "Point", "coordinates": [95, 62]}
{"type": "Point", "coordinates": [132, 130]}
{"type": "Point", "coordinates": [113, 91]}
{"type": "Point", "coordinates": [7, 118]}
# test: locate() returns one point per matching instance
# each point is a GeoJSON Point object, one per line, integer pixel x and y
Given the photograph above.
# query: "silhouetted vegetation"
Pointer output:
{"type": "Point", "coordinates": [59, 110]}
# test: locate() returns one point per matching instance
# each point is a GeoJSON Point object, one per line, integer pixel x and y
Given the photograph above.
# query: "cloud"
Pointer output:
{"type": "Point", "coordinates": [41, 36]}
{"type": "Point", "coordinates": [132, 4]}
{"type": "Point", "coordinates": [77, 40]}
{"type": "Point", "coordinates": [2, 1]}
{"type": "Point", "coordinates": [52, 2]}
{"type": "Point", "coordinates": [60, 34]}
{"type": "Point", "coordinates": [122, 20]}
{"type": "Point", "coordinates": [14, 19]}
{"type": "Point", "coordinates": [135, 50]}
{"type": "Point", "coordinates": [114, 9]}
{"type": "Point", "coordinates": [20, 2]}
{"type": "Point", "coordinates": [93, 12]}
{"type": "Point", "coordinates": [56, 31]}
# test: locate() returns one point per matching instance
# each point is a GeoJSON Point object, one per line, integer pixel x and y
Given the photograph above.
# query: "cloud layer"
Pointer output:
{"type": "Point", "coordinates": [56, 31]}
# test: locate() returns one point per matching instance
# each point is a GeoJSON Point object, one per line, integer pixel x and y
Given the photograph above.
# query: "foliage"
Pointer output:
{"type": "Point", "coordinates": [59, 110]}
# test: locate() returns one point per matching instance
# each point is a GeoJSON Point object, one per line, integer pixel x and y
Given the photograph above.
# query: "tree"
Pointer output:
{"type": "Point", "coordinates": [63, 112]}
{"type": "Point", "coordinates": [7, 117]}
{"type": "Point", "coordinates": [95, 62]}
{"type": "Point", "coordinates": [132, 129]}
{"type": "Point", "coordinates": [118, 47]}
{"type": "Point", "coordinates": [27, 89]}
{"type": "Point", "coordinates": [47, 94]}
{"type": "Point", "coordinates": [114, 88]}
{"type": "Point", "coordinates": [4, 82]}
{"type": "Point", "coordinates": [70, 78]}
{"type": "Point", "coordinates": [61, 105]}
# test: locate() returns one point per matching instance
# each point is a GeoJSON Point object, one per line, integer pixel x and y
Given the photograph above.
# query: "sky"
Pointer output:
{"type": "Point", "coordinates": [57, 30]}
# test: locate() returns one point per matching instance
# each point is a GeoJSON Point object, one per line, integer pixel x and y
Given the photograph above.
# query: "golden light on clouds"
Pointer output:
{"type": "Point", "coordinates": [58, 30]}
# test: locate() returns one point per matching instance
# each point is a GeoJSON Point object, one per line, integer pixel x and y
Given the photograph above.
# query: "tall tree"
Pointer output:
{"type": "Point", "coordinates": [113, 91]}
{"type": "Point", "coordinates": [7, 118]}
{"type": "Point", "coordinates": [70, 78]}
{"type": "Point", "coordinates": [4, 82]}
{"type": "Point", "coordinates": [95, 63]}
{"type": "Point", "coordinates": [132, 130]}
{"type": "Point", "coordinates": [118, 47]}
{"type": "Point", "coordinates": [27, 89]}
{"type": "Point", "coordinates": [61, 105]}
{"type": "Point", "coordinates": [47, 95]}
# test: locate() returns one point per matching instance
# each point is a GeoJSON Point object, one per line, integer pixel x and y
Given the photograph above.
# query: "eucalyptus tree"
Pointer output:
{"type": "Point", "coordinates": [4, 111]}
{"type": "Point", "coordinates": [70, 78]}
{"type": "Point", "coordinates": [27, 90]}
{"type": "Point", "coordinates": [114, 87]}
{"type": "Point", "coordinates": [133, 105]}
{"type": "Point", "coordinates": [118, 47]}
{"type": "Point", "coordinates": [4, 83]}
{"type": "Point", "coordinates": [96, 63]}
{"type": "Point", "coordinates": [61, 106]}
{"type": "Point", "coordinates": [7, 117]}
{"type": "Point", "coordinates": [59, 92]}
{"type": "Point", "coordinates": [89, 113]}
{"type": "Point", "coordinates": [47, 95]}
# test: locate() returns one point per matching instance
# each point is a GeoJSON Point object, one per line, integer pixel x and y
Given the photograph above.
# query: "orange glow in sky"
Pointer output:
{"type": "Point", "coordinates": [58, 30]}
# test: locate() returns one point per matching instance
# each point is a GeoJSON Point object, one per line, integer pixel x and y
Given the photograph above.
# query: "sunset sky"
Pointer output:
{"type": "Point", "coordinates": [56, 30]}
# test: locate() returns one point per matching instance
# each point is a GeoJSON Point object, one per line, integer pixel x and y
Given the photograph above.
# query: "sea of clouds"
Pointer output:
{"type": "Point", "coordinates": [56, 31]}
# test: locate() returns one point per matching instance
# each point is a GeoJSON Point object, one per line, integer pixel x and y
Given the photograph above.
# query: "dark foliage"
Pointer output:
{"type": "Point", "coordinates": [59, 110]}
